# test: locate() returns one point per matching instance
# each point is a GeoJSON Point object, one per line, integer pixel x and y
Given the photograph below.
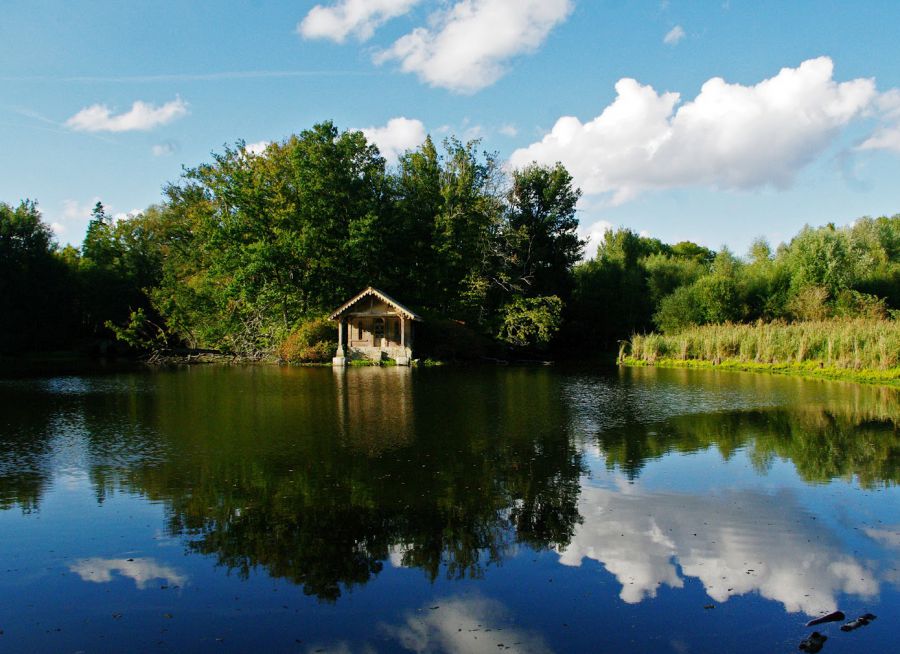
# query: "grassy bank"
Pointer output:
{"type": "Point", "coordinates": [858, 350]}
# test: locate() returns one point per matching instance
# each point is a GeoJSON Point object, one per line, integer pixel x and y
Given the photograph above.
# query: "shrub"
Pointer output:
{"type": "Point", "coordinates": [679, 310]}
{"type": "Point", "coordinates": [853, 304]}
{"type": "Point", "coordinates": [810, 303]}
{"type": "Point", "coordinates": [313, 341]}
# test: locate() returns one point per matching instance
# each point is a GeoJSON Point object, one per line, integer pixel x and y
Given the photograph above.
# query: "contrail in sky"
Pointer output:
{"type": "Point", "coordinates": [184, 77]}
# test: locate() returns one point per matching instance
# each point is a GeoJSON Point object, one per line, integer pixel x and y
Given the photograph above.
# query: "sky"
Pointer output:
{"type": "Point", "coordinates": [718, 122]}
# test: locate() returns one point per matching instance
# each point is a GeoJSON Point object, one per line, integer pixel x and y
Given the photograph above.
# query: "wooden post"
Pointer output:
{"type": "Point", "coordinates": [341, 335]}
{"type": "Point", "coordinates": [402, 331]}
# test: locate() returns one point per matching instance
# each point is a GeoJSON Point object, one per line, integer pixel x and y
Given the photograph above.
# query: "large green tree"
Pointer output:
{"type": "Point", "coordinates": [542, 231]}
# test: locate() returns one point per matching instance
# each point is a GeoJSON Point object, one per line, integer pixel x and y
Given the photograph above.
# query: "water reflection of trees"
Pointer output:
{"type": "Point", "coordinates": [828, 430]}
{"type": "Point", "coordinates": [26, 441]}
{"type": "Point", "coordinates": [321, 478]}
{"type": "Point", "coordinates": [822, 443]}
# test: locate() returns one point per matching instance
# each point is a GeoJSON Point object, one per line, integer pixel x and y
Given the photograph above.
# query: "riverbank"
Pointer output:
{"type": "Point", "coordinates": [866, 351]}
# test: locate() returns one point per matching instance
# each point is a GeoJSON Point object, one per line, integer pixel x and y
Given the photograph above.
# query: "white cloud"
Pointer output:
{"type": "Point", "coordinates": [730, 136]}
{"type": "Point", "coordinates": [594, 234]}
{"type": "Point", "coordinates": [674, 35]}
{"type": "Point", "coordinates": [126, 215]}
{"type": "Point", "coordinates": [884, 138]}
{"type": "Point", "coordinates": [399, 135]}
{"type": "Point", "coordinates": [509, 130]}
{"type": "Point", "coordinates": [141, 571]}
{"type": "Point", "coordinates": [357, 17]}
{"type": "Point", "coordinates": [472, 132]}
{"type": "Point", "coordinates": [647, 540]}
{"type": "Point", "coordinates": [887, 135]}
{"type": "Point", "coordinates": [257, 148]}
{"type": "Point", "coordinates": [164, 149]}
{"type": "Point", "coordinates": [141, 117]}
{"type": "Point", "coordinates": [468, 46]}
{"type": "Point", "coordinates": [75, 210]}
{"type": "Point", "coordinates": [58, 228]}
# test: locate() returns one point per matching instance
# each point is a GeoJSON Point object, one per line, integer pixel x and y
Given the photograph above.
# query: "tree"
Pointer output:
{"type": "Point", "coordinates": [268, 240]}
{"type": "Point", "coordinates": [35, 290]}
{"type": "Point", "coordinates": [465, 232]}
{"type": "Point", "coordinates": [531, 322]}
{"type": "Point", "coordinates": [821, 257]}
{"type": "Point", "coordinates": [541, 231]}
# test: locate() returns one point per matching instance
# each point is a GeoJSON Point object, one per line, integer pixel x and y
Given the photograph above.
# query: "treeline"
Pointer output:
{"type": "Point", "coordinates": [637, 284]}
{"type": "Point", "coordinates": [52, 298]}
{"type": "Point", "coordinates": [245, 250]}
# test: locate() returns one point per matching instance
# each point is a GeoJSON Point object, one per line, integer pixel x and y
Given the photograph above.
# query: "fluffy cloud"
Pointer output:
{"type": "Point", "coordinates": [398, 136]}
{"type": "Point", "coordinates": [141, 117]}
{"type": "Point", "coordinates": [256, 148]}
{"type": "Point", "coordinates": [467, 47]}
{"type": "Point", "coordinates": [357, 17]}
{"type": "Point", "coordinates": [126, 215]}
{"type": "Point", "coordinates": [674, 35]}
{"type": "Point", "coordinates": [141, 571]}
{"type": "Point", "coordinates": [594, 234]}
{"type": "Point", "coordinates": [730, 136]}
{"type": "Point", "coordinates": [644, 539]}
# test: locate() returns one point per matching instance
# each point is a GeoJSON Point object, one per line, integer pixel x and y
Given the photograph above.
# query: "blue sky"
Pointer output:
{"type": "Point", "coordinates": [803, 125]}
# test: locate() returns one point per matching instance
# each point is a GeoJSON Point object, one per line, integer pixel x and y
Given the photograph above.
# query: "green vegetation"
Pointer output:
{"type": "Point", "coordinates": [247, 249]}
{"type": "Point", "coordinates": [643, 284]}
{"type": "Point", "coordinates": [858, 349]}
{"type": "Point", "coordinates": [314, 341]}
{"type": "Point", "coordinates": [849, 344]}
{"type": "Point", "coordinates": [248, 252]}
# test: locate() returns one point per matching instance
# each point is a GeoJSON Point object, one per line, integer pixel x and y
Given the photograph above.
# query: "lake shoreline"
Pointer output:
{"type": "Point", "coordinates": [810, 369]}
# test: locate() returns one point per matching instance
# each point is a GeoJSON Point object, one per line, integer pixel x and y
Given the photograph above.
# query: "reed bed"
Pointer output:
{"type": "Point", "coordinates": [852, 345]}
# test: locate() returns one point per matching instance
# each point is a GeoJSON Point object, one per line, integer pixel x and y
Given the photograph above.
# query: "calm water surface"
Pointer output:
{"type": "Point", "coordinates": [438, 510]}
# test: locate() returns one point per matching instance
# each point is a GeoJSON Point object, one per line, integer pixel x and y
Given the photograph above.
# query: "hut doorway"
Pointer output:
{"type": "Point", "coordinates": [378, 332]}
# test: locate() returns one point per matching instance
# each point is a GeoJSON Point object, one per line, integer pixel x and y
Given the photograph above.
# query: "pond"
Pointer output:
{"type": "Point", "coordinates": [271, 509]}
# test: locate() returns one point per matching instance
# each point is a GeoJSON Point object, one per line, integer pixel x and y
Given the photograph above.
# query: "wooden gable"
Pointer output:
{"type": "Point", "coordinates": [372, 302]}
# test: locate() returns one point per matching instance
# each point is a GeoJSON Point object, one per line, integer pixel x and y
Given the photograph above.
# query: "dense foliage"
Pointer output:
{"type": "Point", "coordinates": [636, 284]}
{"type": "Point", "coordinates": [248, 248]}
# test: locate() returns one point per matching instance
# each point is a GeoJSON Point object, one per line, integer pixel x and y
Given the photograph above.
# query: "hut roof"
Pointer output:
{"type": "Point", "coordinates": [384, 297]}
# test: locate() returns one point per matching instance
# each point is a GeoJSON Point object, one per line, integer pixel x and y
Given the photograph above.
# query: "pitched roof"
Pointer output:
{"type": "Point", "coordinates": [384, 297]}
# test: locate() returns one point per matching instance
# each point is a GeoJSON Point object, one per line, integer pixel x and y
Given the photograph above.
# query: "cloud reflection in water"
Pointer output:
{"type": "Point", "coordinates": [463, 625]}
{"type": "Point", "coordinates": [735, 543]}
{"type": "Point", "coordinates": [141, 571]}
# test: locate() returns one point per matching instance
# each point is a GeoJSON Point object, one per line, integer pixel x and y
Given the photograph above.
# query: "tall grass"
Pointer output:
{"type": "Point", "coordinates": [856, 344]}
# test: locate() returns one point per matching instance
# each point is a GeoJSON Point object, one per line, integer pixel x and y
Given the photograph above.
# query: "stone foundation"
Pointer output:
{"type": "Point", "coordinates": [402, 355]}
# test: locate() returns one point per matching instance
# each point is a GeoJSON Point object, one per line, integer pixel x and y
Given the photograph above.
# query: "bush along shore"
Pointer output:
{"type": "Point", "coordinates": [863, 350]}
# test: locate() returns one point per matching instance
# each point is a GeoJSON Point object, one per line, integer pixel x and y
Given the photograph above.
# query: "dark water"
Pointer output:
{"type": "Point", "coordinates": [439, 510]}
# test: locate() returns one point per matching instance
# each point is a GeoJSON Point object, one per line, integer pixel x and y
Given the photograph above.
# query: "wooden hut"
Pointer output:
{"type": "Point", "coordinates": [372, 325]}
